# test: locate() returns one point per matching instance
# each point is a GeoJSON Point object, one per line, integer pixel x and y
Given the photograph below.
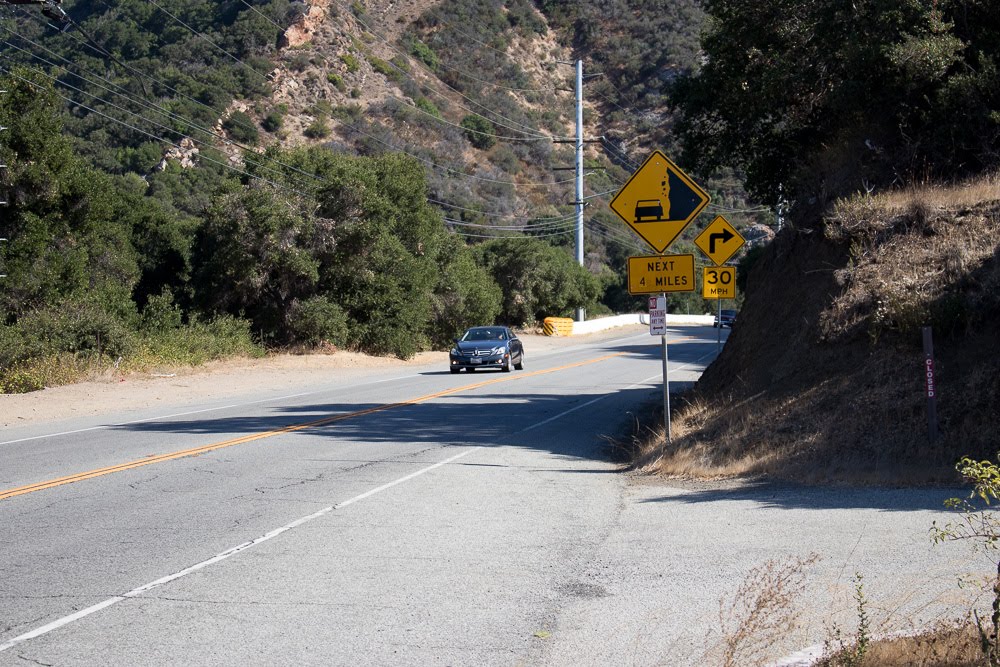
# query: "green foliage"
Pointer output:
{"type": "Point", "coordinates": [317, 320]}
{"type": "Point", "coordinates": [336, 80]}
{"type": "Point", "coordinates": [383, 68]}
{"type": "Point", "coordinates": [318, 129]}
{"type": "Point", "coordinates": [353, 65]}
{"type": "Point", "coordinates": [252, 258]}
{"type": "Point", "coordinates": [479, 131]}
{"type": "Point", "coordinates": [425, 54]}
{"type": "Point", "coordinates": [241, 127]}
{"type": "Point", "coordinates": [983, 528]}
{"type": "Point", "coordinates": [537, 280]}
{"type": "Point", "coordinates": [428, 106]}
{"type": "Point", "coordinates": [348, 112]}
{"type": "Point", "coordinates": [273, 121]}
{"type": "Point", "coordinates": [195, 343]}
{"type": "Point", "coordinates": [382, 270]}
{"type": "Point", "coordinates": [823, 101]}
{"type": "Point", "coordinates": [466, 295]}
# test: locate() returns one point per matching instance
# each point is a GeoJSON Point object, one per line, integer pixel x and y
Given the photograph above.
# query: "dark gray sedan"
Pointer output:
{"type": "Point", "coordinates": [487, 347]}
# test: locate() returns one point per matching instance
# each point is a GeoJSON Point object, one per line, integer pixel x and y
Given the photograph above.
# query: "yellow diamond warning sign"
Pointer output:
{"type": "Point", "coordinates": [720, 240]}
{"type": "Point", "coordinates": [659, 201]}
{"type": "Point", "coordinates": [660, 273]}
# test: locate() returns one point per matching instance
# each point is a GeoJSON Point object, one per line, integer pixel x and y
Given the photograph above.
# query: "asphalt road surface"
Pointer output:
{"type": "Point", "coordinates": [421, 518]}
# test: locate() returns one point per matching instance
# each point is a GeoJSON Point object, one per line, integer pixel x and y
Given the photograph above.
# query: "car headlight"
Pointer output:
{"type": "Point", "coordinates": [498, 350]}
{"type": "Point", "coordinates": [454, 352]}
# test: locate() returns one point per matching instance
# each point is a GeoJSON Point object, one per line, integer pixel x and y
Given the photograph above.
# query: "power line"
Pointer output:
{"type": "Point", "coordinates": [524, 127]}
{"type": "Point", "coordinates": [136, 115]}
{"type": "Point", "coordinates": [266, 17]}
{"type": "Point", "coordinates": [551, 225]}
{"type": "Point", "coordinates": [153, 136]}
{"type": "Point", "coordinates": [450, 170]}
{"type": "Point", "coordinates": [206, 39]}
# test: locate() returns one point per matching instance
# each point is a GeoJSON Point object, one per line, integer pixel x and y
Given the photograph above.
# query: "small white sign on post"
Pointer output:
{"type": "Point", "coordinates": [657, 316]}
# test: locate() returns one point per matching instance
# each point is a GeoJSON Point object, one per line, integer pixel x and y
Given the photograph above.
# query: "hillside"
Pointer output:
{"type": "Point", "coordinates": [823, 377]}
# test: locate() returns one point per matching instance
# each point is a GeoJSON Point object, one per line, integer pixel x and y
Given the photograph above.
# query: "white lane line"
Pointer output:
{"type": "Point", "coordinates": [583, 405]}
{"type": "Point", "coordinates": [601, 398]}
{"type": "Point", "coordinates": [135, 592]}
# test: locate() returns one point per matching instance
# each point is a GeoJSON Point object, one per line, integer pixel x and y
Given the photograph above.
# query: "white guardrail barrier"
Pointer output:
{"type": "Point", "coordinates": [603, 323]}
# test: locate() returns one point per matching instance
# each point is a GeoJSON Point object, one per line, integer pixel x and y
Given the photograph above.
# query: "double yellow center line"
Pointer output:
{"type": "Point", "coordinates": [194, 451]}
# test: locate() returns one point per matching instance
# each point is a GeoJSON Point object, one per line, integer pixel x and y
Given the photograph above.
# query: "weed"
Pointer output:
{"type": "Point", "coordinates": [763, 610]}
{"type": "Point", "coordinates": [851, 653]}
{"type": "Point", "coordinates": [983, 528]}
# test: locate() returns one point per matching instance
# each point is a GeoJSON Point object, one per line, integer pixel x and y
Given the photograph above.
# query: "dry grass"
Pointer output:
{"type": "Point", "coordinates": [764, 609]}
{"type": "Point", "coordinates": [822, 381]}
{"type": "Point", "coordinates": [948, 645]}
{"type": "Point", "coordinates": [918, 202]}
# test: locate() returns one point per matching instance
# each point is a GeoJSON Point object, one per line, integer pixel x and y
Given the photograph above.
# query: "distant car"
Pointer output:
{"type": "Point", "coordinates": [727, 319]}
{"type": "Point", "coordinates": [487, 347]}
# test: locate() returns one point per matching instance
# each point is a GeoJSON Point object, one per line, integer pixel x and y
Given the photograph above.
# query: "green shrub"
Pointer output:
{"type": "Point", "coordinates": [318, 129]}
{"type": "Point", "coordinates": [347, 113]}
{"type": "Point", "coordinates": [317, 320]}
{"type": "Point", "coordinates": [426, 105]}
{"type": "Point", "coordinates": [336, 80]}
{"type": "Point", "coordinates": [381, 66]}
{"type": "Point", "coordinates": [272, 122]}
{"type": "Point", "coordinates": [352, 63]}
{"type": "Point", "coordinates": [479, 131]}
{"type": "Point", "coordinates": [425, 54]}
{"type": "Point", "coordinates": [196, 343]}
{"type": "Point", "coordinates": [241, 127]}
{"type": "Point", "coordinates": [161, 314]}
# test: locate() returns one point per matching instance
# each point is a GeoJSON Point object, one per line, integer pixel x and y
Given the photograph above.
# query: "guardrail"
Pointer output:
{"type": "Point", "coordinates": [564, 326]}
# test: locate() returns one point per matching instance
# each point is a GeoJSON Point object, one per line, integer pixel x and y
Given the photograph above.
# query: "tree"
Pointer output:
{"type": "Point", "coordinates": [254, 256]}
{"type": "Point", "coordinates": [537, 279]}
{"type": "Point", "coordinates": [466, 294]}
{"type": "Point", "coordinates": [69, 225]}
{"type": "Point", "coordinates": [823, 97]}
{"type": "Point", "coordinates": [382, 268]}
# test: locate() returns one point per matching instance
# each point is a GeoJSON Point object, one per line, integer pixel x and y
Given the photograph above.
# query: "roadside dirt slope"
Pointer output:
{"type": "Point", "coordinates": [824, 377]}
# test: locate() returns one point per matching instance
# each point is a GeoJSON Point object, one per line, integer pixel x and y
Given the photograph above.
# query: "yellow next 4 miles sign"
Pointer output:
{"type": "Point", "coordinates": [661, 273]}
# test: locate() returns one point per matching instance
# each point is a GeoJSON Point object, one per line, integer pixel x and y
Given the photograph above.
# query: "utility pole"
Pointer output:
{"type": "Point", "coordinates": [578, 142]}
{"type": "Point", "coordinates": [581, 315]}
{"type": "Point", "coordinates": [3, 191]}
{"type": "Point", "coordinates": [3, 170]}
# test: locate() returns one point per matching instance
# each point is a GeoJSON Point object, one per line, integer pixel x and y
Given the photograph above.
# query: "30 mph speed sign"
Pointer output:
{"type": "Point", "coordinates": [718, 282]}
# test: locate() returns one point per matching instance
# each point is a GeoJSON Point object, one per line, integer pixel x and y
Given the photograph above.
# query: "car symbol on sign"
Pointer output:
{"type": "Point", "coordinates": [645, 208]}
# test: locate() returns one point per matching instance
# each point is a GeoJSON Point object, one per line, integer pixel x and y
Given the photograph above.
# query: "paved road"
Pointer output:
{"type": "Point", "coordinates": [423, 519]}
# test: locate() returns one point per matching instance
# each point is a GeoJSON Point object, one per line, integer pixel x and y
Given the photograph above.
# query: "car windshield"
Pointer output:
{"type": "Point", "coordinates": [730, 313]}
{"type": "Point", "coordinates": [484, 334]}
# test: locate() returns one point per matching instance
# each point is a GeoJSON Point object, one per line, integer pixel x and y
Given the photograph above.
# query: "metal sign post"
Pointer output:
{"type": "Point", "coordinates": [658, 202]}
{"type": "Point", "coordinates": [718, 320]}
{"type": "Point", "coordinates": [666, 378]}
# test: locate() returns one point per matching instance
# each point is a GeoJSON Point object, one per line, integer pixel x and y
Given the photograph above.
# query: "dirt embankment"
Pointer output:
{"type": "Point", "coordinates": [824, 377]}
